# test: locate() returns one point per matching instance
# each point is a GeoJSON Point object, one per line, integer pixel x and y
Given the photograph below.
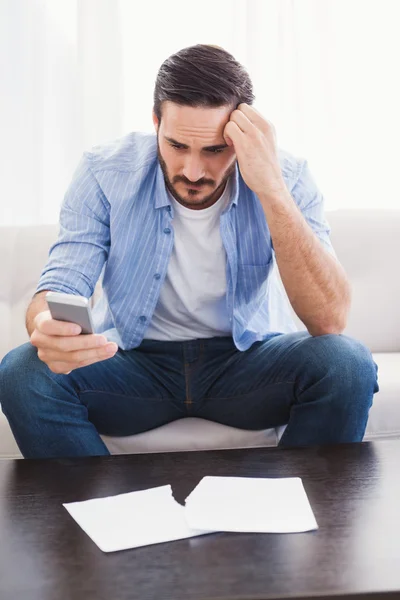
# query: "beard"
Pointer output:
{"type": "Point", "coordinates": [205, 202]}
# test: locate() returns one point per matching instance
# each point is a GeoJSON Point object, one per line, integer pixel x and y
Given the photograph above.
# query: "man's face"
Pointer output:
{"type": "Point", "coordinates": [193, 154]}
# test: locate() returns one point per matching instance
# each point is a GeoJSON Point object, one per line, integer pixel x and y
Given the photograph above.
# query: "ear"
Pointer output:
{"type": "Point", "coordinates": [155, 121]}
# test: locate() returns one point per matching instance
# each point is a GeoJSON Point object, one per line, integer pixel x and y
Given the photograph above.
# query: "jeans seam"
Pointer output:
{"type": "Point", "coordinates": [188, 400]}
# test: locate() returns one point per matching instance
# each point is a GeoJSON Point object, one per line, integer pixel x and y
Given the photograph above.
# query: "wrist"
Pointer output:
{"type": "Point", "coordinates": [279, 196]}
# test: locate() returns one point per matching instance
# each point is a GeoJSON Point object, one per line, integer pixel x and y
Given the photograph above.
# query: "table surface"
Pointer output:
{"type": "Point", "coordinates": [354, 490]}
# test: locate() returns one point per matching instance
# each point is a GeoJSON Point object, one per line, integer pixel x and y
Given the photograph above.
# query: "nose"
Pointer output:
{"type": "Point", "coordinates": [193, 169]}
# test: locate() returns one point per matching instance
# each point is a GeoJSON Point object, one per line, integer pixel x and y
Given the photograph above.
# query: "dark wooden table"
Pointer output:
{"type": "Point", "coordinates": [353, 489]}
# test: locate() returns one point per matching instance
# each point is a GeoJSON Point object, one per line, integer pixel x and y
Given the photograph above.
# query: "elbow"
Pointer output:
{"type": "Point", "coordinates": [331, 329]}
{"type": "Point", "coordinates": [334, 319]}
{"type": "Point", "coordinates": [333, 324]}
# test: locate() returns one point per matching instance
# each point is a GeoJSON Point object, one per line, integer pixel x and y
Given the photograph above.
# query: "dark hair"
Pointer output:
{"type": "Point", "coordinates": [202, 75]}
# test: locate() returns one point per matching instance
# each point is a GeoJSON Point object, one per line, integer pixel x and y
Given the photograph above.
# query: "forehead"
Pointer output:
{"type": "Point", "coordinates": [203, 123]}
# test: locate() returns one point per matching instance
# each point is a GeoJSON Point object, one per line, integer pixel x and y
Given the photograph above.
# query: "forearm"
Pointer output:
{"type": "Point", "coordinates": [37, 305]}
{"type": "Point", "coordinates": [314, 280]}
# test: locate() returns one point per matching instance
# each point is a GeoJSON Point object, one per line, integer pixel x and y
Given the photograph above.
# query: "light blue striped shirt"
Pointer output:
{"type": "Point", "coordinates": [116, 223]}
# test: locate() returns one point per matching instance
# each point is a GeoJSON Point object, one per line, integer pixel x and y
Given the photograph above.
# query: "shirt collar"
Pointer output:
{"type": "Point", "coordinates": [162, 198]}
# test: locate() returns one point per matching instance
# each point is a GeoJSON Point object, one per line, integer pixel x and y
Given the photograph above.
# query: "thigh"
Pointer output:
{"type": "Point", "coordinates": [131, 392]}
{"type": "Point", "coordinates": [254, 389]}
{"type": "Point", "coordinates": [62, 414]}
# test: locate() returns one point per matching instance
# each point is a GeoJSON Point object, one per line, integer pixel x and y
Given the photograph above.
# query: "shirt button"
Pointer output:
{"type": "Point", "coordinates": [168, 208]}
{"type": "Point", "coordinates": [157, 276]}
{"type": "Point", "coordinates": [167, 230]}
{"type": "Point", "coordinates": [143, 319]}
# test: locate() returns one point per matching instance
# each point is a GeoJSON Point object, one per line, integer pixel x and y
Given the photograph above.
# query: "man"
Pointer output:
{"type": "Point", "coordinates": [188, 225]}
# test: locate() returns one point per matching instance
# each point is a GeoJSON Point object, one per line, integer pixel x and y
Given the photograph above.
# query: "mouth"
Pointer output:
{"type": "Point", "coordinates": [195, 186]}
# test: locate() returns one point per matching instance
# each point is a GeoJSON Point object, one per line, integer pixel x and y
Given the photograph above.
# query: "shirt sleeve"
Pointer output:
{"type": "Point", "coordinates": [311, 203]}
{"type": "Point", "coordinates": [77, 257]}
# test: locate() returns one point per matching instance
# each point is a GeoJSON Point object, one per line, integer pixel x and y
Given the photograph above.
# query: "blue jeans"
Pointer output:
{"type": "Point", "coordinates": [322, 387]}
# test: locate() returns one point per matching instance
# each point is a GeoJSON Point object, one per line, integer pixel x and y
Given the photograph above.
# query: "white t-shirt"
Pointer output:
{"type": "Point", "coordinates": [192, 302]}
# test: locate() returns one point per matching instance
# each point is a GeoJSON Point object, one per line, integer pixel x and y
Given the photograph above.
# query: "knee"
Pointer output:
{"type": "Point", "coordinates": [18, 369]}
{"type": "Point", "coordinates": [348, 361]}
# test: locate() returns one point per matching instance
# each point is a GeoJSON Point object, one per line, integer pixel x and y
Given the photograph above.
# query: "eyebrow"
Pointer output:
{"type": "Point", "coordinates": [210, 148]}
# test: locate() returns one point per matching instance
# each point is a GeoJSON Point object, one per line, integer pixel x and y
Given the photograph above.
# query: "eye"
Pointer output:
{"type": "Point", "coordinates": [217, 151]}
{"type": "Point", "coordinates": [176, 147]}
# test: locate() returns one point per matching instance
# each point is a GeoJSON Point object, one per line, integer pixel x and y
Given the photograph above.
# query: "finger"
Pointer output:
{"type": "Point", "coordinates": [50, 326]}
{"type": "Point", "coordinates": [67, 344]}
{"type": "Point", "coordinates": [254, 116]}
{"type": "Point", "coordinates": [241, 120]}
{"type": "Point", "coordinates": [64, 368]}
{"type": "Point", "coordinates": [233, 133]}
{"type": "Point", "coordinates": [76, 357]}
{"type": "Point", "coordinates": [61, 368]}
{"type": "Point", "coordinates": [251, 113]}
{"type": "Point", "coordinates": [90, 362]}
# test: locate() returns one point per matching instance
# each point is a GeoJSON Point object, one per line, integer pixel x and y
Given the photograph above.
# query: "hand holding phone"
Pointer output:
{"type": "Point", "coordinates": [57, 337]}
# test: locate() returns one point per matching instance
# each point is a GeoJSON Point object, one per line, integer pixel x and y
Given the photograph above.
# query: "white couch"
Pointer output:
{"type": "Point", "coordinates": [367, 244]}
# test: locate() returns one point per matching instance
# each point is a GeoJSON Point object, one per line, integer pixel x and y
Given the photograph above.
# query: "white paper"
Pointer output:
{"type": "Point", "coordinates": [133, 519]}
{"type": "Point", "coordinates": [250, 505]}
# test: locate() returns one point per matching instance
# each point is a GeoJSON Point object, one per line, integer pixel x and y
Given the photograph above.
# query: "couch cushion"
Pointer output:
{"type": "Point", "coordinates": [8, 445]}
{"type": "Point", "coordinates": [26, 249]}
{"type": "Point", "coordinates": [384, 421]}
{"type": "Point", "coordinates": [367, 244]}
{"type": "Point", "coordinates": [190, 434]}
